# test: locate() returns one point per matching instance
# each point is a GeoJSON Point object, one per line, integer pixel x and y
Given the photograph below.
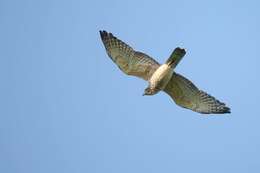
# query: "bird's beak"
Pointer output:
{"type": "Point", "coordinates": [144, 94]}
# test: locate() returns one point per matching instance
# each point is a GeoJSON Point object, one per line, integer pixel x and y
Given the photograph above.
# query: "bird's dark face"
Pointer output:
{"type": "Point", "coordinates": [149, 91]}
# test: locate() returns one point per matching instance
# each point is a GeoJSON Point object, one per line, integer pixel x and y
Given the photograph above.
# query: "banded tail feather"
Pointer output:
{"type": "Point", "coordinates": [176, 57]}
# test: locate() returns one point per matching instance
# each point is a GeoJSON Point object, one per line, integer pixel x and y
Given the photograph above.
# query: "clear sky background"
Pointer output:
{"type": "Point", "coordinates": [66, 108]}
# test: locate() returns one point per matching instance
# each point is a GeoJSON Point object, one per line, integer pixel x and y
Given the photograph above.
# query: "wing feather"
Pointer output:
{"type": "Point", "coordinates": [131, 62]}
{"type": "Point", "coordinates": [187, 95]}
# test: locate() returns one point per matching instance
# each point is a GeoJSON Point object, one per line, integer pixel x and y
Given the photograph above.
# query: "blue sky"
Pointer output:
{"type": "Point", "coordinates": [65, 107]}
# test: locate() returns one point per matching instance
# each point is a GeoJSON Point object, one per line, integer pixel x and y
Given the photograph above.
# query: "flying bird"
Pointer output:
{"type": "Point", "coordinates": [161, 77]}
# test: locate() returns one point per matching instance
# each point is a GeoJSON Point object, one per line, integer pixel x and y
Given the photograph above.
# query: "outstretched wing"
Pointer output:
{"type": "Point", "coordinates": [187, 95]}
{"type": "Point", "coordinates": [128, 60]}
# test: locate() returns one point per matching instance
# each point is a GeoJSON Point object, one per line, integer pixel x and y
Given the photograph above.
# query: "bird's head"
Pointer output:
{"type": "Point", "coordinates": [149, 91]}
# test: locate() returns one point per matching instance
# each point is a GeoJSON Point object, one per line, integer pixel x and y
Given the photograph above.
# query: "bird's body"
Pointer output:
{"type": "Point", "coordinates": [164, 72]}
{"type": "Point", "coordinates": [161, 77]}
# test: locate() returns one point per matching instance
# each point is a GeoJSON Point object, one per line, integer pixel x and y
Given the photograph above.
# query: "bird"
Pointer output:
{"type": "Point", "coordinates": [161, 77]}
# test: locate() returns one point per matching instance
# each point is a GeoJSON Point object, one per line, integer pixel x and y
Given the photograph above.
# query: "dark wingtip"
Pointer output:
{"type": "Point", "coordinates": [227, 110]}
{"type": "Point", "coordinates": [102, 34]}
{"type": "Point", "coordinates": [222, 110]}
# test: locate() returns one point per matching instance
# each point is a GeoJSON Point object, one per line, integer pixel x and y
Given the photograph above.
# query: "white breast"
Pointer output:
{"type": "Point", "coordinates": [161, 76]}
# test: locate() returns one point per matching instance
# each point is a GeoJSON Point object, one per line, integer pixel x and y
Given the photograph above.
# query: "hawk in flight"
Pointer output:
{"type": "Point", "coordinates": [161, 77]}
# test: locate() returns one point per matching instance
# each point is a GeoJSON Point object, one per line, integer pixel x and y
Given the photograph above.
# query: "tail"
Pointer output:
{"type": "Point", "coordinates": [176, 57]}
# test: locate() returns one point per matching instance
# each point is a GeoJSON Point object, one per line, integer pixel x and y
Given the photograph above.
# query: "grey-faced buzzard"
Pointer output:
{"type": "Point", "coordinates": [161, 77]}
